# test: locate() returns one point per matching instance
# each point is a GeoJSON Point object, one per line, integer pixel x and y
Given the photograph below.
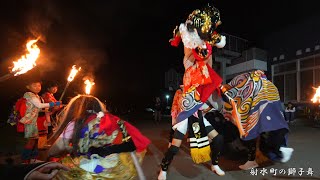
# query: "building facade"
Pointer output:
{"type": "Point", "coordinates": [238, 57]}
{"type": "Point", "coordinates": [297, 76]}
{"type": "Point", "coordinates": [173, 79]}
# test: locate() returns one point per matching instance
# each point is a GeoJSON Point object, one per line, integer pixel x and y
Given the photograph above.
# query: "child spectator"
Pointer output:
{"type": "Point", "coordinates": [48, 96]}
{"type": "Point", "coordinates": [33, 108]}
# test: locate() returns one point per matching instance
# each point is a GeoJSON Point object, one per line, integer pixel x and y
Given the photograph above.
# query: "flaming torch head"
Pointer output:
{"type": "Point", "coordinates": [316, 96]}
{"type": "Point", "coordinates": [28, 61]}
{"type": "Point", "coordinates": [89, 85]}
{"type": "Point", "coordinates": [73, 73]}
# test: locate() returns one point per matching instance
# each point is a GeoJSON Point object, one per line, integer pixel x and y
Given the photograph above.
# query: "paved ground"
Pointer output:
{"type": "Point", "coordinates": [303, 138]}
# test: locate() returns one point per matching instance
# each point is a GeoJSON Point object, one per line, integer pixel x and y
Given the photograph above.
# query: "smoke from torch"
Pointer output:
{"type": "Point", "coordinates": [316, 97]}
{"type": "Point", "coordinates": [89, 85]}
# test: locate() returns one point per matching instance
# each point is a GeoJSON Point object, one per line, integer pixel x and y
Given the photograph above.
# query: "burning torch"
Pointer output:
{"type": "Point", "coordinates": [316, 97]}
{"type": "Point", "coordinates": [26, 62]}
{"type": "Point", "coordinates": [71, 76]}
{"type": "Point", "coordinates": [89, 85]}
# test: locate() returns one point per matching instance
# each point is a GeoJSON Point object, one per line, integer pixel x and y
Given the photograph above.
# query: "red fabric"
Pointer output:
{"type": "Point", "coordinates": [140, 141]}
{"type": "Point", "coordinates": [40, 123]}
{"type": "Point", "coordinates": [207, 89]}
{"type": "Point", "coordinates": [20, 127]}
{"type": "Point", "coordinates": [90, 118]}
{"type": "Point", "coordinates": [175, 41]}
{"type": "Point", "coordinates": [108, 123]}
{"type": "Point", "coordinates": [52, 159]}
{"type": "Point", "coordinates": [48, 97]}
{"type": "Point", "coordinates": [195, 75]}
{"type": "Point", "coordinates": [176, 104]}
{"type": "Point", "coordinates": [21, 107]}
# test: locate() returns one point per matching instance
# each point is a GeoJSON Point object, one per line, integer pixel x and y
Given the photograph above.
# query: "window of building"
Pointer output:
{"type": "Point", "coordinates": [217, 67]}
{"type": "Point", "coordinates": [308, 49]}
{"type": "Point", "coordinates": [290, 87]}
{"type": "Point", "coordinates": [276, 69]}
{"type": "Point", "coordinates": [285, 67]}
{"type": "Point", "coordinates": [279, 83]}
{"type": "Point", "coordinates": [299, 52]}
{"type": "Point", "coordinates": [317, 77]}
{"type": "Point", "coordinates": [306, 84]}
{"type": "Point", "coordinates": [281, 57]}
{"type": "Point", "coordinates": [317, 60]}
{"type": "Point", "coordinates": [306, 63]}
{"type": "Point", "coordinates": [290, 66]}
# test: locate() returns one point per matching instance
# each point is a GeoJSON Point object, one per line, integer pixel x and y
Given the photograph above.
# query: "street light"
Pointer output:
{"type": "Point", "coordinates": [167, 97]}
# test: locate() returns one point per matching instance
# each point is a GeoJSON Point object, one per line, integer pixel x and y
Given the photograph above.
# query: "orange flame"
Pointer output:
{"type": "Point", "coordinates": [73, 73]}
{"type": "Point", "coordinates": [89, 85]}
{"type": "Point", "coordinates": [28, 61]}
{"type": "Point", "coordinates": [316, 96]}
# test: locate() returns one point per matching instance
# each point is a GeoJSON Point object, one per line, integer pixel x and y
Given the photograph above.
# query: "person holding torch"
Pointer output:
{"type": "Point", "coordinates": [33, 107]}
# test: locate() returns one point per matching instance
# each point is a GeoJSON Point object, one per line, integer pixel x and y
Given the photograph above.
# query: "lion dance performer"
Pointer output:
{"type": "Point", "coordinates": [100, 145]}
{"type": "Point", "coordinates": [200, 81]}
{"type": "Point", "coordinates": [261, 115]}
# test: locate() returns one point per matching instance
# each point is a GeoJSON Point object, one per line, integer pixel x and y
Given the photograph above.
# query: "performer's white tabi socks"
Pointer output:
{"type": "Point", "coordinates": [216, 169]}
{"type": "Point", "coordinates": [162, 175]}
{"type": "Point", "coordinates": [286, 154]}
{"type": "Point", "coordinates": [249, 165]}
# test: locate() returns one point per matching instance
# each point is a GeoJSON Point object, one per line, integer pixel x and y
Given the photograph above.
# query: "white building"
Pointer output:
{"type": "Point", "coordinates": [297, 75]}
{"type": "Point", "coordinates": [236, 58]}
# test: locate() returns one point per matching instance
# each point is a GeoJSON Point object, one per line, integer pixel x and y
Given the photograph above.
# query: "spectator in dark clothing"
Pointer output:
{"type": "Point", "coordinates": [289, 112]}
{"type": "Point", "coordinates": [157, 110]}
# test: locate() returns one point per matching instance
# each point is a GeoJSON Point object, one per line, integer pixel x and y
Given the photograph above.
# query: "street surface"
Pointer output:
{"type": "Point", "coordinates": [304, 138]}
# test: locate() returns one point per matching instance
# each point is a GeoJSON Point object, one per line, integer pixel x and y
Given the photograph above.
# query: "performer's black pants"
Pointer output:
{"type": "Point", "coordinates": [216, 147]}
{"type": "Point", "coordinates": [274, 140]}
{"type": "Point", "coordinates": [171, 134]}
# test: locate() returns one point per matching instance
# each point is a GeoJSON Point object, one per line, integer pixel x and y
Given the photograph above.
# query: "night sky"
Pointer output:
{"type": "Point", "coordinates": [124, 45]}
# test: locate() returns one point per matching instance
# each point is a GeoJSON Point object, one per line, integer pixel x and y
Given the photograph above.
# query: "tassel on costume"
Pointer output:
{"type": "Point", "coordinates": [200, 155]}
{"type": "Point", "coordinates": [199, 142]}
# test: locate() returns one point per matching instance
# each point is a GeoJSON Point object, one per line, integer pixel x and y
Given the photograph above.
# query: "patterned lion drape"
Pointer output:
{"type": "Point", "coordinates": [258, 103]}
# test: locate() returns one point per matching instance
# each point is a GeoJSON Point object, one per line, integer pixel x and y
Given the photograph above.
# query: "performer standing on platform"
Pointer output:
{"type": "Point", "coordinates": [200, 81]}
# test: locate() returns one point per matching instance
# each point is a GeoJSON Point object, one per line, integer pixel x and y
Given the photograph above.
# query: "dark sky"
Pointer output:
{"type": "Point", "coordinates": [124, 45]}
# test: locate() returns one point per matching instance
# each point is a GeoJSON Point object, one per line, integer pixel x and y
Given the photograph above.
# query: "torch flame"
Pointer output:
{"type": "Point", "coordinates": [73, 73]}
{"type": "Point", "coordinates": [28, 61]}
{"type": "Point", "coordinates": [316, 96]}
{"type": "Point", "coordinates": [89, 85]}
